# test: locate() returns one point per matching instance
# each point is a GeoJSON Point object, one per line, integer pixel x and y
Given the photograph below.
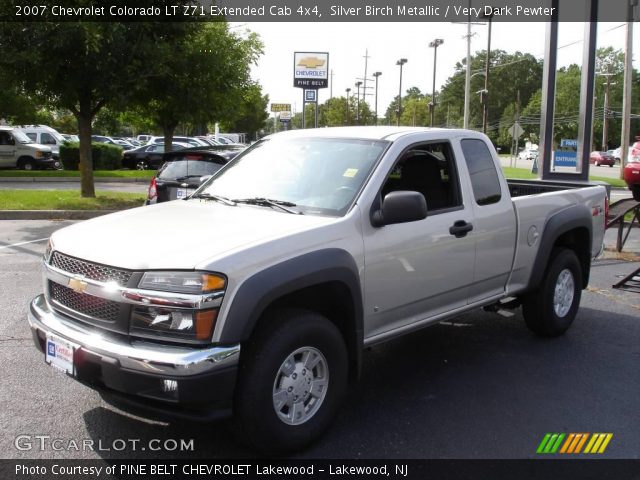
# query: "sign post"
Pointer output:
{"type": "Point", "coordinates": [310, 72]}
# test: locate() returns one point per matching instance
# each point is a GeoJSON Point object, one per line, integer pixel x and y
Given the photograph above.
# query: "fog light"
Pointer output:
{"type": "Point", "coordinates": [169, 386]}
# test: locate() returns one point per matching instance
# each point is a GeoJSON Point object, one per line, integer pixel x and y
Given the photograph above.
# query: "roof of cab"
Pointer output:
{"type": "Point", "coordinates": [369, 132]}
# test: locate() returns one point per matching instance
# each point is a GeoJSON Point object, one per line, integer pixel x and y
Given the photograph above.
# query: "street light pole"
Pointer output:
{"type": "Point", "coordinates": [435, 44]}
{"type": "Point", "coordinates": [358, 84]}
{"type": "Point", "coordinates": [485, 107]}
{"type": "Point", "coordinates": [400, 62]}
{"type": "Point", "coordinates": [376, 75]}
{"type": "Point", "coordinates": [348, 90]}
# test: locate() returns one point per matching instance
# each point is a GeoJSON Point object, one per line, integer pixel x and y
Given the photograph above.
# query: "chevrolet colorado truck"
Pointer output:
{"type": "Point", "coordinates": [257, 295]}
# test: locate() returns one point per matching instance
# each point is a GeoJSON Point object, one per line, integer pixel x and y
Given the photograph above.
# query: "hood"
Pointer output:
{"type": "Point", "coordinates": [36, 146]}
{"type": "Point", "coordinates": [178, 234]}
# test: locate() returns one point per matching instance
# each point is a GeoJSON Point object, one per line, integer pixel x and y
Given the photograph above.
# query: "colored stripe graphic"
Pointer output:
{"type": "Point", "coordinates": [555, 443]}
{"type": "Point", "coordinates": [550, 443]}
{"type": "Point", "coordinates": [598, 443]}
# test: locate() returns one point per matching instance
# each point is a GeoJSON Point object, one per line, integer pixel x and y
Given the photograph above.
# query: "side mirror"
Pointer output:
{"type": "Point", "coordinates": [400, 207]}
{"type": "Point", "coordinates": [204, 178]}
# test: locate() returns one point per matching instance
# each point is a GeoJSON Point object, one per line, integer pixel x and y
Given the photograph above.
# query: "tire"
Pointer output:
{"type": "Point", "coordinates": [26, 164]}
{"type": "Point", "coordinates": [597, 163]}
{"type": "Point", "coordinates": [297, 417]}
{"type": "Point", "coordinates": [635, 190]}
{"type": "Point", "coordinates": [611, 166]}
{"type": "Point", "coordinates": [550, 310]}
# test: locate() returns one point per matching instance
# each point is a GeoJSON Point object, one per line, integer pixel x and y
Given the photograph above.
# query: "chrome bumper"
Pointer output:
{"type": "Point", "coordinates": [135, 356]}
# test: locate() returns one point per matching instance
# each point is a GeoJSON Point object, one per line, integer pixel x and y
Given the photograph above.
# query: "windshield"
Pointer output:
{"type": "Point", "coordinates": [319, 175]}
{"type": "Point", "coordinates": [21, 137]}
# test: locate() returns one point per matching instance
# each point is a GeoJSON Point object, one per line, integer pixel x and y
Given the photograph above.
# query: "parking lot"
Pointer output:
{"type": "Point", "coordinates": [479, 386]}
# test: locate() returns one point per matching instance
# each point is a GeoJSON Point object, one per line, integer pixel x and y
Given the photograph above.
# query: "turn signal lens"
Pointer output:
{"type": "Point", "coordinates": [205, 321]}
{"type": "Point", "coordinates": [211, 283]}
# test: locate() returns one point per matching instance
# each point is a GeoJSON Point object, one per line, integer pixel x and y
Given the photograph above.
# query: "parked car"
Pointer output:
{"type": "Point", "coordinates": [528, 154]}
{"type": "Point", "coordinates": [194, 142]}
{"type": "Point", "coordinates": [44, 135]}
{"type": "Point", "coordinates": [257, 295]}
{"type": "Point", "coordinates": [103, 139]}
{"type": "Point", "coordinates": [632, 177]}
{"type": "Point", "coordinates": [148, 156]}
{"type": "Point", "coordinates": [143, 138]}
{"type": "Point", "coordinates": [19, 151]}
{"type": "Point", "coordinates": [601, 158]}
{"type": "Point", "coordinates": [124, 144]}
{"type": "Point", "coordinates": [71, 138]}
{"type": "Point", "coordinates": [185, 170]}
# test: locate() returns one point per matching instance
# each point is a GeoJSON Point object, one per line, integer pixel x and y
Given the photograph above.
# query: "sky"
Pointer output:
{"type": "Point", "coordinates": [388, 42]}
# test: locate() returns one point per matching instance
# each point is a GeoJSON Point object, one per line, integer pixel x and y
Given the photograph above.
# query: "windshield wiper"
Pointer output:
{"type": "Point", "coordinates": [185, 177]}
{"type": "Point", "coordinates": [217, 198]}
{"type": "Point", "coordinates": [268, 202]}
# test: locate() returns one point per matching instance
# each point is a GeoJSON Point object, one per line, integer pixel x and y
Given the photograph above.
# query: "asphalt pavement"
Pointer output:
{"type": "Point", "coordinates": [478, 386]}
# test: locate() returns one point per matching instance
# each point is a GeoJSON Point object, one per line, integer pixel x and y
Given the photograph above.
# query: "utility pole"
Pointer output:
{"type": "Point", "coordinates": [358, 84]}
{"type": "Point", "coordinates": [516, 138]}
{"type": "Point", "coordinates": [331, 85]}
{"type": "Point", "coordinates": [400, 63]}
{"type": "Point", "coordinates": [435, 44]}
{"type": "Point", "coordinates": [348, 90]}
{"type": "Point", "coordinates": [626, 97]}
{"type": "Point", "coordinates": [366, 62]}
{"type": "Point", "coordinates": [485, 107]}
{"type": "Point", "coordinates": [376, 75]}
{"type": "Point", "coordinates": [467, 78]}
{"type": "Point", "coordinates": [605, 112]}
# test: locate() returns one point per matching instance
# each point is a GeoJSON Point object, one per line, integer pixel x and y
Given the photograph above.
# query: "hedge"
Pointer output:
{"type": "Point", "coordinates": [105, 156]}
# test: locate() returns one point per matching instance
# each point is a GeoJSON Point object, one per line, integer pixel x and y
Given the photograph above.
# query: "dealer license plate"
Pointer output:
{"type": "Point", "coordinates": [59, 353]}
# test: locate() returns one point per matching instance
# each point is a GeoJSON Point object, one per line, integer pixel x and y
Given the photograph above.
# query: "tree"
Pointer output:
{"type": "Point", "coordinates": [251, 113]}
{"type": "Point", "coordinates": [81, 67]}
{"type": "Point", "coordinates": [204, 77]}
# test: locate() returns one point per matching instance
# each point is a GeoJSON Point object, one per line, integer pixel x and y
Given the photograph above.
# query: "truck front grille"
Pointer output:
{"type": "Point", "coordinates": [89, 305]}
{"type": "Point", "coordinates": [93, 271]}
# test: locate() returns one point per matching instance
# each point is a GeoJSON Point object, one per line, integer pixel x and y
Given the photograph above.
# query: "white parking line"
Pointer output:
{"type": "Point", "coordinates": [24, 243]}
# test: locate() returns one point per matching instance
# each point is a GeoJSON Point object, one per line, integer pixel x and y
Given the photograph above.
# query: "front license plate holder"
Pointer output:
{"type": "Point", "coordinates": [59, 353]}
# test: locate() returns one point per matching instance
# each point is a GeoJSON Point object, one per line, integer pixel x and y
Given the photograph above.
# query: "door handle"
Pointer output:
{"type": "Point", "coordinates": [460, 228]}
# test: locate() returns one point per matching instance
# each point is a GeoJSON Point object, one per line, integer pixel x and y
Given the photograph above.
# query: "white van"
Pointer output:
{"type": "Point", "coordinates": [17, 150]}
{"type": "Point", "coordinates": [43, 135]}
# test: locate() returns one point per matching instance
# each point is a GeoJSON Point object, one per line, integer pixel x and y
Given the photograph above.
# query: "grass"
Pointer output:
{"type": "Point", "coordinates": [75, 173]}
{"type": "Point", "coordinates": [67, 200]}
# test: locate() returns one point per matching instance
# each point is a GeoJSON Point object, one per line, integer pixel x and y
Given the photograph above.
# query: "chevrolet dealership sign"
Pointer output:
{"type": "Point", "coordinates": [310, 70]}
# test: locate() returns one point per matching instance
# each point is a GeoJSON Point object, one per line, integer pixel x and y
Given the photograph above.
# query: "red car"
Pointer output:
{"type": "Point", "coordinates": [602, 158]}
{"type": "Point", "coordinates": [632, 177]}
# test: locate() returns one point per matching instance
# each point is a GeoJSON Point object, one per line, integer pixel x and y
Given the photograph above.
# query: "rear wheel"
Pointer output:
{"type": "Point", "coordinates": [635, 190]}
{"type": "Point", "coordinates": [550, 310]}
{"type": "Point", "coordinates": [292, 380]}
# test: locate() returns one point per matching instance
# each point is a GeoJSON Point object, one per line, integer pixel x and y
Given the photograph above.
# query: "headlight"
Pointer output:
{"type": "Point", "coordinates": [195, 326]}
{"type": "Point", "coordinates": [182, 282]}
{"type": "Point", "coordinates": [39, 154]}
{"type": "Point", "coordinates": [191, 325]}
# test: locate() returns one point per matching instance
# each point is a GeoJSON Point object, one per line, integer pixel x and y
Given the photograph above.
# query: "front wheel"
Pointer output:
{"type": "Point", "coordinates": [550, 310]}
{"type": "Point", "coordinates": [292, 380]}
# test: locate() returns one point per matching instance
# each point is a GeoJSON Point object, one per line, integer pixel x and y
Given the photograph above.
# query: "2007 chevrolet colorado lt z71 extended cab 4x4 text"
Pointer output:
{"type": "Point", "coordinates": [257, 295]}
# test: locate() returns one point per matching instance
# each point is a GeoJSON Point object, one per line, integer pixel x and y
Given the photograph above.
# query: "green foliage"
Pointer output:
{"type": "Point", "coordinates": [105, 156]}
{"type": "Point", "coordinates": [202, 77]}
{"type": "Point", "coordinates": [251, 112]}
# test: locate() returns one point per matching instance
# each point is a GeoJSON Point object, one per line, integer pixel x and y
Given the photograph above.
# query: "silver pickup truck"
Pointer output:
{"type": "Point", "coordinates": [257, 295]}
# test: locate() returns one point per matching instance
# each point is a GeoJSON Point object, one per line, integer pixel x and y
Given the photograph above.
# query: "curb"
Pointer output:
{"type": "Point", "coordinates": [52, 214]}
{"type": "Point", "coordinates": [72, 179]}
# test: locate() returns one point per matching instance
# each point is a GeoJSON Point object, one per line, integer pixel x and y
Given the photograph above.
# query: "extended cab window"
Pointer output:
{"type": "Point", "coordinates": [428, 169]}
{"type": "Point", "coordinates": [482, 171]}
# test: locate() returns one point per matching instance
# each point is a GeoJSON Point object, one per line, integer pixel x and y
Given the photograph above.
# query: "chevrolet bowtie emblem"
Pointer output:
{"type": "Point", "coordinates": [77, 285]}
{"type": "Point", "coordinates": [311, 62]}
